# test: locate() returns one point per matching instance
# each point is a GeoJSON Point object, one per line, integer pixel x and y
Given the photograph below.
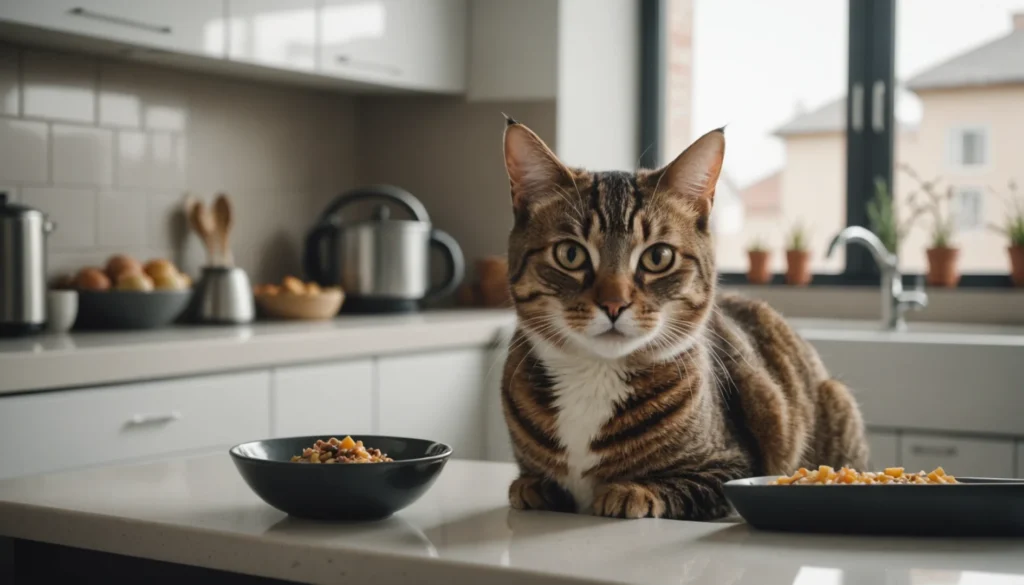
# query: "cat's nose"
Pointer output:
{"type": "Point", "coordinates": [614, 307]}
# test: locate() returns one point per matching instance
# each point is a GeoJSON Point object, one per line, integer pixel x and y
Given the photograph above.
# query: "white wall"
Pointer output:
{"type": "Point", "coordinates": [513, 50]}
{"type": "Point", "coordinates": [597, 122]}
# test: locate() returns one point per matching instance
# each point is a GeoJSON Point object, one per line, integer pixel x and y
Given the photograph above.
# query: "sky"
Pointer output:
{"type": "Point", "coordinates": [756, 61]}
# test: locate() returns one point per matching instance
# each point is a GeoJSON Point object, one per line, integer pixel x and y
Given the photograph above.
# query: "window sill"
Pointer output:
{"type": "Point", "coordinates": [1003, 306]}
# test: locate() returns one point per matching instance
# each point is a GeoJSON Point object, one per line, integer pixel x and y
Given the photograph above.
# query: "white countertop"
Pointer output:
{"type": "Point", "coordinates": [89, 358]}
{"type": "Point", "coordinates": [199, 512]}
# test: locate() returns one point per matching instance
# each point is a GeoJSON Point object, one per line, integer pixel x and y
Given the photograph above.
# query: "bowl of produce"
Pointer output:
{"type": "Point", "coordinates": [127, 294]}
{"type": "Point", "coordinates": [359, 477]}
{"type": "Point", "coordinates": [294, 299]}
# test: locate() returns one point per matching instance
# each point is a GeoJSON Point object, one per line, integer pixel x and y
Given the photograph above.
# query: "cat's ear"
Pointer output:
{"type": "Point", "coordinates": [694, 173]}
{"type": "Point", "coordinates": [532, 168]}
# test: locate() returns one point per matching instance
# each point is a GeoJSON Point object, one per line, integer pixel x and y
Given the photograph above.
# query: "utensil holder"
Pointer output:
{"type": "Point", "coordinates": [224, 296]}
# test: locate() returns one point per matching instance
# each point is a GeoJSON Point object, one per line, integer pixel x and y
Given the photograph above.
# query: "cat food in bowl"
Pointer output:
{"type": "Point", "coordinates": [340, 492]}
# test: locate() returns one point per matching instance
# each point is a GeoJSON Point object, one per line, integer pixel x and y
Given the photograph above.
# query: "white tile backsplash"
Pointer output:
{"type": "Point", "coordinates": [134, 97]}
{"type": "Point", "coordinates": [58, 86]}
{"type": "Point", "coordinates": [121, 218]}
{"type": "Point", "coordinates": [109, 148]}
{"type": "Point", "coordinates": [10, 96]}
{"type": "Point", "coordinates": [73, 210]}
{"type": "Point", "coordinates": [82, 155]}
{"type": "Point", "coordinates": [24, 147]}
{"type": "Point", "coordinates": [149, 159]}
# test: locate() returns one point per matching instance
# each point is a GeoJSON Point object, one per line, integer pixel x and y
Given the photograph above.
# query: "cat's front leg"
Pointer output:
{"type": "Point", "coordinates": [538, 493]}
{"type": "Point", "coordinates": [697, 497]}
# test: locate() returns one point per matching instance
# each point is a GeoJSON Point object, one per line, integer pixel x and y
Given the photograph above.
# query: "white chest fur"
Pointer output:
{"type": "Point", "coordinates": [586, 392]}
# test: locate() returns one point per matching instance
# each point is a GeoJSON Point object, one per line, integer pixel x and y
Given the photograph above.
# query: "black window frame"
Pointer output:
{"type": "Point", "coordinates": [870, 148]}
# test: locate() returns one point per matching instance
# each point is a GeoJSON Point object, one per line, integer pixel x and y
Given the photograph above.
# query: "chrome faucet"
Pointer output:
{"type": "Point", "coordinates": [895, 300]}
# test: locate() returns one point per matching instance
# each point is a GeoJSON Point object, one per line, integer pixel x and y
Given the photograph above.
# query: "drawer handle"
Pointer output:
{"type": "Point", "coordinates": [346, 60]}
{"type": "Point", "coordinates": [86, 13]}
{"type": "Point", "coordinates": [949, 451]}
{"type": "Point", "coordinates": [140, 420]}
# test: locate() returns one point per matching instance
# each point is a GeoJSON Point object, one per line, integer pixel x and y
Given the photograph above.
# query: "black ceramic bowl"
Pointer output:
{"type": "Point", "coordinates": [348, 491]}
{"type": "Point", "coordinates": [119, 309]}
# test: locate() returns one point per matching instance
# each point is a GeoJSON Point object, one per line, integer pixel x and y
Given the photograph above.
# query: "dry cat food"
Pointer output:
{"type": "Point", "coordinates": [825, 475]}
{"type": "Point", "coordinates": [343, 451]}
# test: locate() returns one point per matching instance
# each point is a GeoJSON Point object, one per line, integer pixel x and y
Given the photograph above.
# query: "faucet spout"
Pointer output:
{"type": "Point", "coordinates": [857, 235]}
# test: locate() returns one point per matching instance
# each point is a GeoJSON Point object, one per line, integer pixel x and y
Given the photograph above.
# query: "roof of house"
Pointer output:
{"type": "Point", "coordinates": [997, 62]}
{"type": "Point", "coordinates": [830, 117]}
{"type": "Point", "coordinates": [764, 196]}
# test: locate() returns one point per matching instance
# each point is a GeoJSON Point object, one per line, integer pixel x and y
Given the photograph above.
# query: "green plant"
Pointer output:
{"type": "Point", "coordinates": [882, 216]}
{"type": "Point", "coordinates": [1013, 224]}
{"type": "Point", "coordinates": [757, 245]}
{"type": "Point", "coordinates": [796, 241]}
{"type": "Point", "coordinates": [937, 203]}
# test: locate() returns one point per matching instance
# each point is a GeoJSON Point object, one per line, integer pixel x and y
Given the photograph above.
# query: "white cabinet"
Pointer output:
{"type": "Point", "coordinates": [968, 457]}
{"type": "Point", "coordinates": [502, 64]}
{"type": "Point", "coordinates": [193, 27]}
{"type": "Point", "coordinates": [323, 399]}
{"type": "Point", "coordinates": [75, 428]}
{"type": "Point", "coordinates": [413, 44]}
{"type": "Point", "coordinates": [885, 449]}
{"type": "Point", "coordinates": [439, 396]}
{"type": "Point", "coordinates": [276, 33]}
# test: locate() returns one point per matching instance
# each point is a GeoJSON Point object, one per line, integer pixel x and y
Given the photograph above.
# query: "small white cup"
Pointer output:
{"type": "Point", "coordinates": [61, 310]}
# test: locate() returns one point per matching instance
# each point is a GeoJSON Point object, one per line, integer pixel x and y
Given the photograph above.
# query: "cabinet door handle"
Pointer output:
{"type": "Point", "coordinates": [346, 60]}
{"type": "Point", "coordinates": [112, 19]}
{"type": "Point", "coordinates": [141, 420]}
{"type": "Point", "coordinates": [947, 451]}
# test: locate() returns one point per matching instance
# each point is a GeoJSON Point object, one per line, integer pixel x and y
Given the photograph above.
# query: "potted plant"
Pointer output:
{"type": "Point", "coordinates": [1013, 229]}
{"type": "Point", "coordinates": [883, 218]}
{"type": "Point", "coordinates": [757, 253]}
{"type": "Point", "coordinates": [942, 255]}
{"type": "Point", "coordinates": [798, 257]}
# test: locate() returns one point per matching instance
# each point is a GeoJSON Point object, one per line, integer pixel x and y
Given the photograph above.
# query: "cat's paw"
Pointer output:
{"type": "Point", "coordinates": [627, 500]}
{"type": "Point", "coordinates": [536, 493]}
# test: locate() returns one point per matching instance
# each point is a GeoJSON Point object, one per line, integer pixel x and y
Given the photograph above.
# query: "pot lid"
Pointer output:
{"type": "Point", "coordinates": [10, 209]}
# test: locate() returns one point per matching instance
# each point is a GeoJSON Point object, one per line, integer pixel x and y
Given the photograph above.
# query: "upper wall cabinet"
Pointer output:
{"type": "Point", "coordinates": [194, 27]}
{"type": "Point", "coordinates": [409, 44]}
{"type": "Point", "coordinates": [277, 33]}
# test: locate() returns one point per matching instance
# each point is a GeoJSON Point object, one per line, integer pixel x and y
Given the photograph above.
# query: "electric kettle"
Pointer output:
{"type": "Point", "coordinates": [382, 263]}
{"type": "Point", "coordinates": [23, 232]}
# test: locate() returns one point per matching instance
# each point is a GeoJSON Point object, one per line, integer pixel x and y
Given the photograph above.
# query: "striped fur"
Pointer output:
{"type": "Point", "coordinates": [649, 410]}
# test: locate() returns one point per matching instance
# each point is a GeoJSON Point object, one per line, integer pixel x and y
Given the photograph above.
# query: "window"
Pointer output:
{"type": "Point", "coordinates": [967, 209]}
{"type": "Point", "coordinates": [902, 91]}
{"type": "Point", "coordinates": [785, 124]}
{"type": "Point", "coordinates": [968, 147]}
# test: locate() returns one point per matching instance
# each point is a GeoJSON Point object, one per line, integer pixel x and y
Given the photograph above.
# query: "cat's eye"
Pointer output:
{"type": "Point", "coordinates": [570, 255]}
{"type": "Point", "coordinates": [657, 258]}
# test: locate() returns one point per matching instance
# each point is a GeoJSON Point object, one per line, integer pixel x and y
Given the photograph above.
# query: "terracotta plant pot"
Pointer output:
{"type": "Point", "coordinates": [758, 272]}
{"type": "Point", "coordinates": [798, 267]}
{"type": "Point", "coordinates": [942, 268]}
{"type": "Point", "coordinates": [1017, 265]}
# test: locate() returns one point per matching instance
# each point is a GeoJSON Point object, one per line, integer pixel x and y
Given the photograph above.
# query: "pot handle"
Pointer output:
{"type": "Point", "coordinates": [456, 264]}
{"type": "Point", "coordinates": [386, 192]}
{"type": "Point", "coordinates": [313, 261]}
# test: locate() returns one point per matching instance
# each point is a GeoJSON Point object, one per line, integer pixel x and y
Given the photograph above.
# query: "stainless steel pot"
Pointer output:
{"type": "Point", "coordinates": [23, 233]}
{"type": "Point", "coordinates": [383, 264]}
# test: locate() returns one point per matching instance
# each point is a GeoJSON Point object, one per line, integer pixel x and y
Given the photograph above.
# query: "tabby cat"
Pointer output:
{"type": "Point", "coordinates": [631, 389]}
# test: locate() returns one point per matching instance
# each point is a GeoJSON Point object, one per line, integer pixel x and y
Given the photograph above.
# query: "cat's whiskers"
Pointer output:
{"type": "Point", "coordinates": [577, 205]}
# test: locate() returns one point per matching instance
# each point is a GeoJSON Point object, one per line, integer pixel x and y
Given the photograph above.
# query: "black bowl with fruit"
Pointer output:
{"type": "Point", "coordinates": [129, 295]}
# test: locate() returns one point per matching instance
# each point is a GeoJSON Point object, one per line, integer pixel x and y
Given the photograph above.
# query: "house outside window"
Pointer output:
{"type": "Point", "coordinates": [968, 147]}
